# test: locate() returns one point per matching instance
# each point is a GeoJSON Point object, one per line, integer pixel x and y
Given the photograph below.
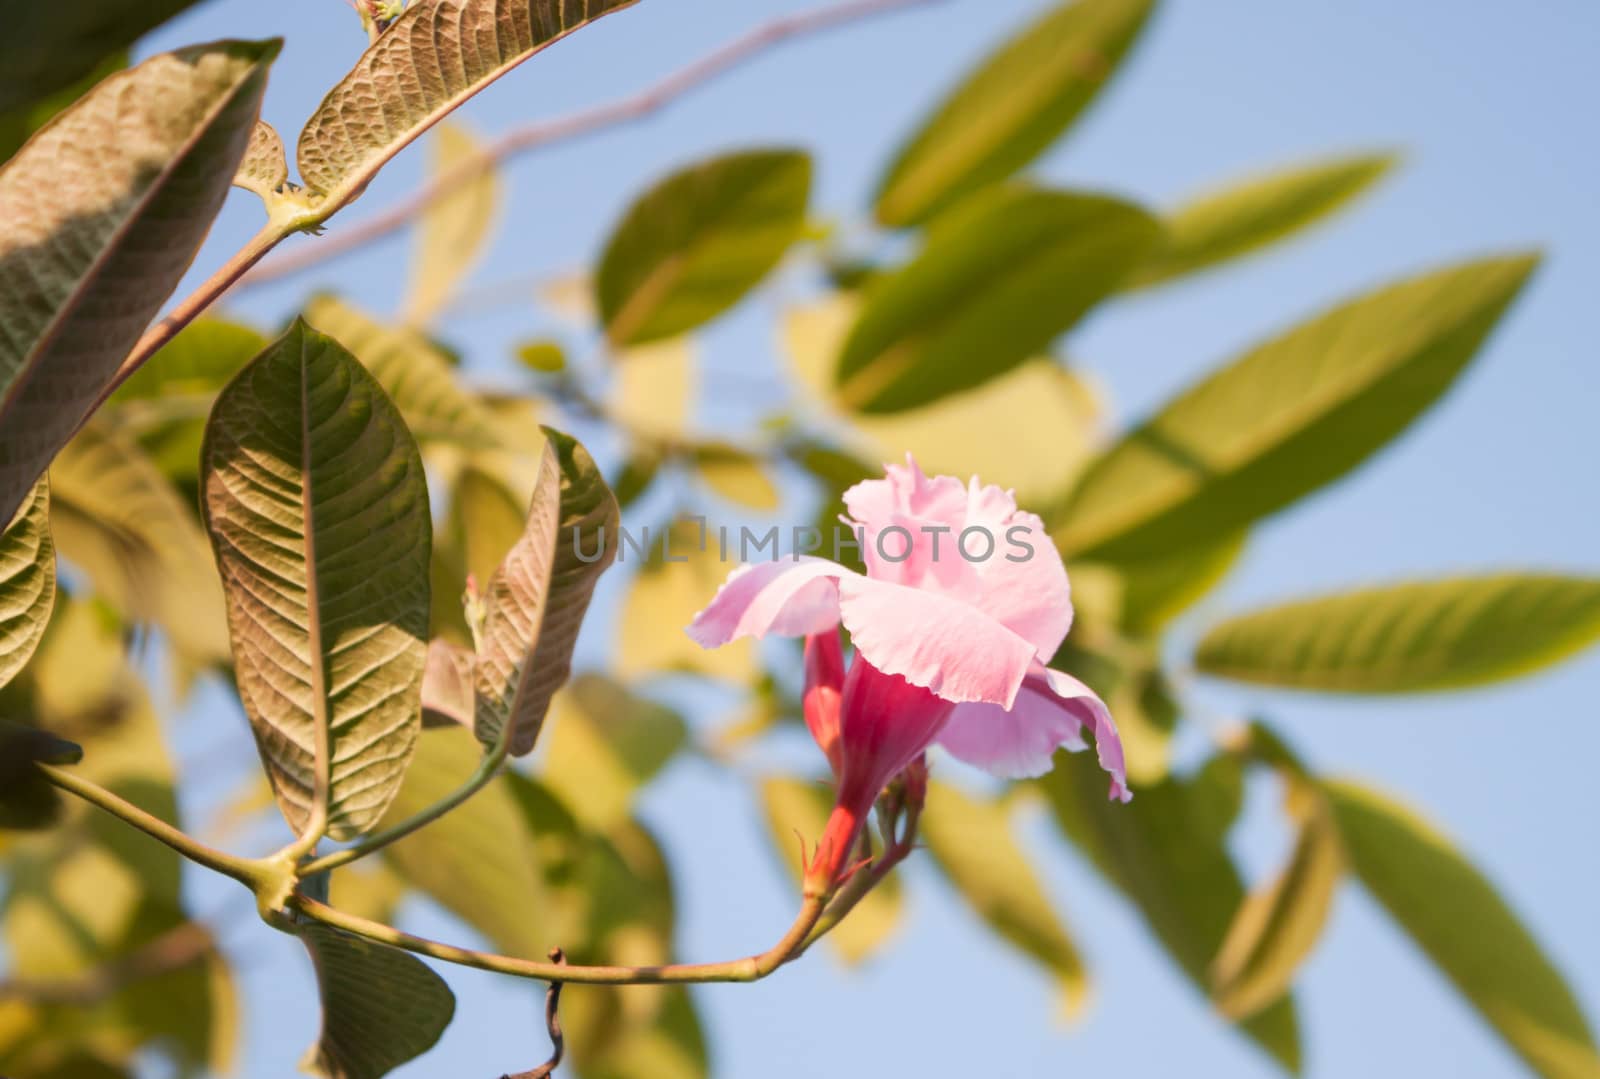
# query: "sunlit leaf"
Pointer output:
{"type": "Point", "coordinates": [197, 363]}
{"type": "Point", "coordinates": [796, 811]}
{"type": "Point", "coordinates": [1030, 429]}
{"type": "Point", "coordinates": [1246, 216]}
{"type": "Point", "coordinates": [464, 45]}
{"type": "Point", "coordinates": [479, 860]}
{"type": "Point", "coordinates": [416, 375]}
{"type": "Point", "coordinates": [999, 279]}
{"type": "Point", "coordinates": [122, 523]}
{"type": "Point", "coordinates": [697, 241]}
{"type": "Point", "coordinates": [482, 523]}
{"type": "Point", "coordinates": [48, 46]}
{"type": "Point", "coordinates": [737, 475]}
{"type": "Point", "coordinates": [1276, 926]}
{"type": "Point", "coordinates": [605, 743]}
{"type": "Point", "coordinates": [682, 568]}
{"type": "Point", "coordinates": [1166, 851]}
{"type": "Point", "coordinates": [264, 168]}
{"type": "Point", "coordinates": [1290, 416]}
{"type": "Point", "coordinates": [100, 215]}
{"type": "Point", "coordinates": [652, 392]}
{"type": "Point", "coordinates": [533, 606]}
{"type": "Point", "coordinates": [1463, 925]}
{"type": "Point", "coordinates": [27, 581]}
{"type": "Point", "coordinates": [380, 1006]}
{"type": "Point", "coordinates": [318, 512]}
{"type": "Point", "coordinates": [452, 230]}
{"type": "Point", "coordinates": [546, 357]}
{"type": "Point", "coordinates": [972, 842]}
{"type": "Point", "coordinates": [1005, 113]}
{"type": "Point", "coordinates": [1156, 590]}
{"type": "Point", "coordinates": [1422, 635]}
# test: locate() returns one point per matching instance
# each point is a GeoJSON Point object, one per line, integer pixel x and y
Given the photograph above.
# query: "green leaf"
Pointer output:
{"type": "Point", "coordinates": [196, 363]}
{"type": "Point", "coordinates": [1423, 635]}
{"type": "Point", "coordinates": [999, 279]}
{"type": "Point", "coordinates": [796, 812]}
{"type": "Point", "coordinates": [482, 524]}
{"type": "Point", "coordinates": [123, 524]}
{"type": "Point", "coordinates": [27, 581]}
{"type": "Point", "coordinates": [695, 243]}
{"type": "Point", "coordinates": [1276, 927]}
{"type": "Point", "coordinates": [1157, 590]}
{"type": "Point", "coordinates": [1166, 852]}
{"type": "Point", "coordinates": [971, 841]}
{"type": "Point", "coordinates": [264, 168]}
{"type": "Point", "coordinates": [1031, 429]}
{"type": "Point", "coordinates": [100, 215]}
{"type": "Point", "coordinates": [452, 230]}
{"type": "Point", "coordinates": [1293, 414]}
{"type": "Point", "coordinates": [318, 512]}
{"type": "Point", "coordinates": [606, 743]}
{"type": "Point", "coordinates": [479, 861]}
{"type": "Point", "coordinates": [380, 1006]}
{"type": "Point", "coordinates": [1458, 919]}
{"type": "Point", "coordinates": [49, 46]}
{"type": "Point", "coordinates": [1247, 216]}
{"type": "Point", "coordinates": [535, 602]}
{"type": "Point", "coordinates": [464, 44]}
{"type": "Point", "coordinates": [414, 373]}
{"type": "Point", "coordinates": [545, 356]}
{"type": "Point", "coordinates": [1005, 113]}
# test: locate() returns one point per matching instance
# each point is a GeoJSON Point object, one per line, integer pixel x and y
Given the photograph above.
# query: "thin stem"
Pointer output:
{"type": "Point", "coordinates": [864, 881]}
{"type": "Point", "coordinates": [243, 870]}
{"type": "Point", "coordinates": [487, 769]}
{"type": "Point", "coordinates": [584, 122]}
{"type": "Point", "coordinates": [749, 969]}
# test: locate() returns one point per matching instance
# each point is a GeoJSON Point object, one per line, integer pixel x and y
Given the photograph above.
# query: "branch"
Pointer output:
{"type": "Point", "coordinates": [584, 122]}
{"type": "Point", "coordinates": [243, 870]}
{"type": "Point", "coordinates": [749, 969]}
{"type": "Point", "coordinates": [488, 768]}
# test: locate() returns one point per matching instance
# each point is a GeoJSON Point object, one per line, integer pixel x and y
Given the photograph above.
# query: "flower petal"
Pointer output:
{"type": "Point", "coordinates": [933, 641]}
{"type": "Point", "coordinates": [791, 598]}
{"type": "Point", "coordinates": [1050, 711]}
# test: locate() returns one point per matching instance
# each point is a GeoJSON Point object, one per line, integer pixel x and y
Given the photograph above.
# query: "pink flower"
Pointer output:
{"type": "Point", "coordinates": [963, 602]}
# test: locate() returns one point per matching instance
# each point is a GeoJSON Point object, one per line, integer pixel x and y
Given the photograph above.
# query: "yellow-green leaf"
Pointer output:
{"type": "Point", "coordinates": [796, 811]}
{"type": "Point", "coordinates": [100, 215]}
{"type": "Point", "coordinates": [415, 374]}
{"type": "Point", "coordinates": [1246, 216]}
{"type": "Point", "coordinates": [681, 571]}
{"type": "Point", "coordinates": [483, 522]}
{"type": "Point", "coordinates": [1291, 415]}
{"type": "Point", "coordinates": [123, 524]}
{"type": "Point", "coordinates": [1005, 113]}
{"type": "Point", "coordinates": [971, 841]}
{"type": "Point", "coordinates": [380, 1006]}
{"type": "Point", "coordinates": [1422, 635]}
{"type": "Point", "coordinates": [27, 581]}
{"type": "Point", "coordinates": [452, 230]}
{"type": "Point", "coordinates": [999, 279]}
{"type": "Point", "coordinates": [317, 507]}
{"type": "Point", "coordinates": [1166, 851]}
{"type": "Point", "coordinates": [1276, 926]}
{"type": "Point", "coordinates": [533, 606]}
{"type": "Point", "coordinates": [1463, 925]}
{"type": "Point", "coordinates": [383, 104]}
{"type": "Point", "coordinates": [736, 475]}
{"type": "Point", "coordinates": [606, 743]}
{"type": "Point", "coordinates": [696, 242]}
{"type": "Point", "coordinates": [1156, 590]}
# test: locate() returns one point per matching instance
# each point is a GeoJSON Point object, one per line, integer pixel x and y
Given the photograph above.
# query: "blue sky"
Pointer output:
{"type": "Point", "coordinates": [1490, 108]}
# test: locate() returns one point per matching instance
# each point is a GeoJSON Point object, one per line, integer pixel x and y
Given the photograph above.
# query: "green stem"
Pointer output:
{"type": "Point", "coordinates": [488, 768]}
{"type": "Point", "coordinates": [749, 969]}
{"type": "Point", "coordinates": [243, 870]}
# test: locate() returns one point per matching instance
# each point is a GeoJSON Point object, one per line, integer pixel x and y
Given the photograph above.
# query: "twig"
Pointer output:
{"type": "Point", "coordinates": [552, 1023]}
{"type": "Point", "coordinates": [749, 969]}
{"type": "Point", "coordinates": [583, 122]}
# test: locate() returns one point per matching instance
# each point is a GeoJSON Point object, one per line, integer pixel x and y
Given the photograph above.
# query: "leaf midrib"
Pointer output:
{"type": "Point", "coordinates": [322, 751]}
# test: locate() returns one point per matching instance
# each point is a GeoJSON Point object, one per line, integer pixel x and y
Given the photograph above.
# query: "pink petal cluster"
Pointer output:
{"type": "Point", "coordinates": [964, 601]}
